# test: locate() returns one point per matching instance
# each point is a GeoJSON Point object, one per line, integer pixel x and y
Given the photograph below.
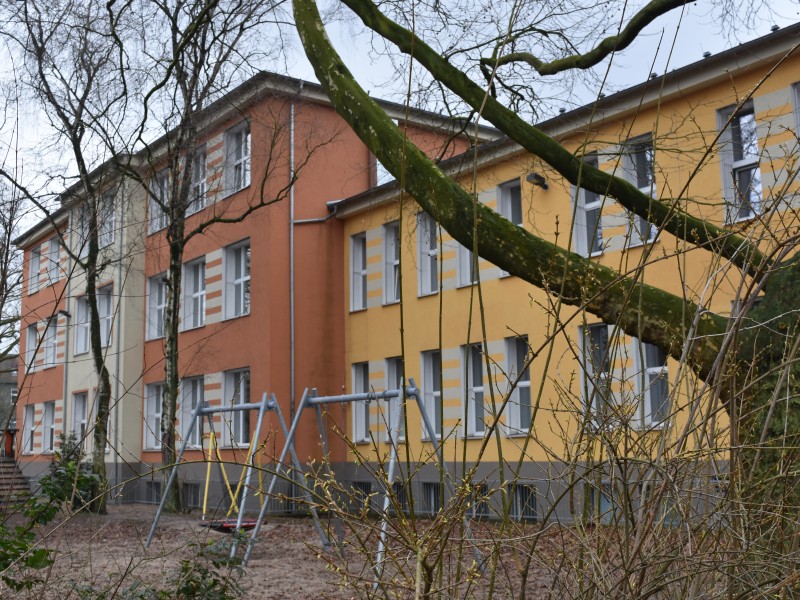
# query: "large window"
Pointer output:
{"type": "Point", "coordinates": [739, 157]}
{"type": "Point", "coordinates": [428, 263]}
{"type": "Point", "coordinates": [53, 253]}
{"type": "Point", "coordinates": [153, 406]}
{"type": "Point", "coordinates": [432, 390]}
{"type": "Point", "coordinates": [639, 168]}
{"type": "Point", "coordinates": [652, 382]}
{"type": "Point", "coordinates": [49, 343]}
{"type": "Point", "coordinates": [361, 407]}
{"type": "Point", "coordinates": [587, 232]}
{"type": "Point", "coordinates": [237, 424]}
{"type": "Point", "coordinates": [105, 307]}
{"type": "Point", "coordinates": [31, 342]}
{"type": "Point", "coordinates": [192, 394]}
{"type": "Point", "coordinates": [358, 271]}
{"type": "Point", "coordinates": [28, 429]}
{"type": "Point", "coordinates": [34, 264]}
{"type": "Point", "coordinates": [467, 270]}
{"type": "Point", "coordinates": [519, 405]}
{"type": "Point", "coordinates": [523, 503]}
{"type": "Point", "coordinates": [194, 294]}
{"type": "Point", "coordinates": [156, 306]}
{"type": "Point", "coordinates": [80, 417]}
{"type": "Point", "coordinates": [105, 220]}
{"type": "Point", "coordinates": [237, 280]}
{"type": "Point", "coordinates": [394, 381]}
{"type": "Point", "coordinates": [391, 264]}
{"type": "Point", "coordinates": [81, 325]}
{"type": "Point", "coordinates": [197, 192]}
{"type": "Point", "coordinates": [596, 368]}
{"type": "Point", "coordinates": [49, 427]}
{"type": "Point", "coordinates": [474, 406]}
{"type": "Point", "coordinates": [510, 198]}
{"type": "Point", "coordinates": [158, 201]}
{"type": "Point", "coordinates": [237, 167]}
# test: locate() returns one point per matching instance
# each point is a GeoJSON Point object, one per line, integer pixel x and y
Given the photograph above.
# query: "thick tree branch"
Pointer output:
{"type": "Point", "coordinates": [665, 215]}
{"type": "Point", "coordinates": [655, 316]}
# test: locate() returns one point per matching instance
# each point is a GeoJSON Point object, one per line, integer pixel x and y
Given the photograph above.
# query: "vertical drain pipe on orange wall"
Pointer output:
{"type": "Point", "coordinates": [291, 254]}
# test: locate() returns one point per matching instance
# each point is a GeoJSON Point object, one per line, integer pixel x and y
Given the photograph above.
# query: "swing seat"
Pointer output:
{"type": "Point", "coordinates": [229, 525]}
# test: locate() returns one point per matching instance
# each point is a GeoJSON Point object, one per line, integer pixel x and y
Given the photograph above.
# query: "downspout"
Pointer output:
{"type": "Point", "coordinates": [291, 257]}
{"type": "Point", "coordinates": [118, 342]}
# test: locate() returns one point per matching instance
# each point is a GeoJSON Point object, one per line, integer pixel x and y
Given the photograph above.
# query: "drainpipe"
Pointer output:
{"type": "Point", "coordinates": [118, 343]}
{"type": "Point", "coordinates": [291, 257]}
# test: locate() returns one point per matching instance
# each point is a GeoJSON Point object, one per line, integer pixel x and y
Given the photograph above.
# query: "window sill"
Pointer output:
{"type": "Point", "coordinates": [151, 338]}
{"type": "Point", "coordinates": [391, 302]}
{"type": "Point", "coordinates": [232, 317]}
{"type": "Point", "coordinates": [474, 436]}
{"type": "Point", "coordinates": [184, 329]}
{"type": "Point", "coordinates": [461, 286]}
{"type": "Point", "coordinates": [358, 310]}
{"type": "Point", "coordinates": [516, 433]}
{"type": "Point", "coordinates": [228, 193]}
{"type": "Point", "coordinates": [426, 294]}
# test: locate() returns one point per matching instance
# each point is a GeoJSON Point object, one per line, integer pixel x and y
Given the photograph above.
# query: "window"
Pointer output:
{"type": "Point", "coordinates": [237, 143]}
{"type": "Point", "coordinates": [152, 492]}
{"type": "Point", "coordinates": [49, 343]}
{"type": "Point", "coordinates": [192, 393]}
{"type": "Point", "coordinates": [474, 407]}
{"type": "Point", "coordinates": [194, 294]}
{"type": "Point", "coordinates": [237, 280]}
{"type": "Point", "coordinates": [432, 390]}
{"type": "Point", "coordinates": [479, 501]}
{"type": "Point", "coordinates": [739, 157]}
{"type": "Point", "coordinates": [394, 381]}
{"type": "Point", "coordinates": [467, 269]}
{"type": "Point", "coordinates": [431, 496]}
{"type": "Point", "coordinates": [519, 405]}
{"type": "Point", "coordinates": [105, 220]}
{"type": "Point", "coordinates": [31, 341]}
{"type": "Point", "coordinates": [358, 278]}
{"type": "Point", "coordinates": [391, 264]}
{"type": "Point", "coordinates": [511, 201]}
{"type": "Point", "coordinates": [80, 422]}
{"type": "Point", "coordinates": [28, 429]}
{"type": "Point", "coordinates": [523, 503]}
{"type": "Point", "coordinates": [158, 201]}
{"type": "Point", "coordinates": [237, 391]}
{"type": "Point", "coordinates": [156, 306]}
{"type": "Point", "coordinates": [33, 270]}
{"type": "Point", "coordinates": [53, 252]}
{"type": "Point", "coordinates": [400, 496]}
{"type": "Point", "coordinates": [197, 191]}
{"type": "Point", "coordinates": [428, 254]}
{"type": "Point", "coordinates": [596, 368]}
{"type": "Point", "coordinates": [587, 232]}
{"type": "Point", "coordinates": [652, 383]}
{"type": "Point", "coordinates": [638, 168]}
{"type": "Point", "coordinates": [153, 405]}
{"type": "Point", "coordinates": [81, 325]}
{"type": "Point", "coordinates": [105, 307]}
{"type": "Point", "coordinates": [361, 407]}
{"type": "Point", "coordinates": [49, 427]}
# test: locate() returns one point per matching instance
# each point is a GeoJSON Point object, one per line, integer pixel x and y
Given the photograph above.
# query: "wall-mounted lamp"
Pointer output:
{"type": "Point", "coordinates": [64, 314]}
{"type": "Point", "coordinates": [537, 179]}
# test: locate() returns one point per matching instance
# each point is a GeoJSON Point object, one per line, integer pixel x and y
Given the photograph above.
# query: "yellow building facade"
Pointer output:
{"type": "Point", "coordinates": [532, 395]}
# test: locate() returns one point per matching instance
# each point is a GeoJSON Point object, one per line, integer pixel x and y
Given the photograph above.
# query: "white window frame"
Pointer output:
{"type": "Point", "coordinates": [587, 230]}
{"type": "Point", "coordinates": [391, 262]}
{"type": "Point", "coordinates": [428, 263]}
{"type": "Point", "coordinates": [432, 391]}
{"type": "Point", "coordinates": [80, 417]}
{"type": "Point", "coordinates": [158, 199]}
{"type": "Point", "coordinates": [474, 402]}
{"type": "Point", "coordinates": [156, 306]}
{"type": "Point", "coordinates": [53, 258]}
{"type": "Point", "coordinates": [106, 216]}
{"type": "Point", "coordinates": [82, 229]}
{"type": "Point", "coordinates": [596, 378]}
{"type": "Point", "coordinates": [510, 200]}
{"type": "Point", "coordinates": [81, 325]}
{"type": "Point", "coordinates": [192, 394]}
{"type": "Point", "coordinates": [358, 271]}
{"type": "Point", "coordinates": [194, 294]}
{"type": "Point", "coordinates": [467, 271]}
{"type": "Point", "coordinates": [649, 371]}
{"type": "Point", "coordinates": [197, 190]}
{"type": "Point", "coordinates": [645, 181]}
{"type": "Point", "coordinates": [49, 344]}
{"type": "Point", "coordinates": [34, 264]}
{"type": "Point", "coordinates": [105, 309]}
{"type": "Point", "coordinates": [49, 427]}
{"type": "Point", "coordinates": [28, 428]}
{"type": "Point", "coordinates": [394, 380]}
{"type": "Point", "coordinates": [520, 408]}
{"type": "Point", "coordinates": [154, 405]}
{"type": "Point", "coordinates": [237, 284]}
{"type": "Point", "coordinates": [361, 420]}
{"type": "Point", "coordinates": [237, 152]}
{"type": "Point", "coordinates": [236, 430]}
{"type": "Point", "coordinates": [31, 342]}
{"type": "Point", "coordinates": [733, 167]}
